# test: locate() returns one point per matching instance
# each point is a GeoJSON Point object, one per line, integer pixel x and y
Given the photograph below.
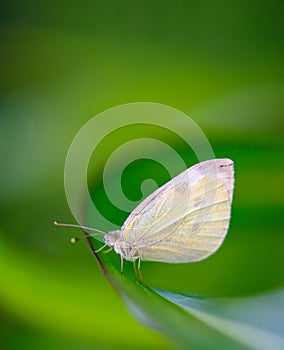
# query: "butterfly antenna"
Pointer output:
{"type": "Point", "coordinates": [57, 223]}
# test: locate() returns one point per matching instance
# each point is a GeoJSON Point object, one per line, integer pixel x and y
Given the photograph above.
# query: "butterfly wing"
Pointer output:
{"type": "Point", "coordinates": [186, 219]}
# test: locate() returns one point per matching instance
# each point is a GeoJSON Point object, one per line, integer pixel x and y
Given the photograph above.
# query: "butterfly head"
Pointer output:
{"type": "Point", "coordinates": [112, 237]}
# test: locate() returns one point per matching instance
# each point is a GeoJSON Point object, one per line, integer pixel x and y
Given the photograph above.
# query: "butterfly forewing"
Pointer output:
{"type": "Point", "coordinates": [186, 219]}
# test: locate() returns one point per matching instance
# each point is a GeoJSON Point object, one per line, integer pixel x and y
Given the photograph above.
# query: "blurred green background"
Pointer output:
{"type": "Point", "coordinates": [61, 64]}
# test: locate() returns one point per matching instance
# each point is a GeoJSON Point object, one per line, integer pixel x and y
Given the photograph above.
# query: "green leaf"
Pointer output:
{"type": "Point", "coordinates": [199, 322]}
{"type": "Point", "coordinates": [256, 322]}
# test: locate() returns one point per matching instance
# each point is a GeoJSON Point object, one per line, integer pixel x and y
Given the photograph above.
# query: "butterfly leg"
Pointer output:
{"type": "Point", "coordinates": [135, 270]}
{"type": "Point", "coordinates": [121, 264]}
{"type": "Point", "coordinates": [101, 248]}
{"type": "Point", "coordinates": [108, 250]}
{"type": "Point", "coordinates": [139, 271]}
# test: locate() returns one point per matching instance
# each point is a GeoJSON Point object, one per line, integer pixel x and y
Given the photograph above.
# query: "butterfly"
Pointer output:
{"type": "Point", "coordinates": [183, 221]}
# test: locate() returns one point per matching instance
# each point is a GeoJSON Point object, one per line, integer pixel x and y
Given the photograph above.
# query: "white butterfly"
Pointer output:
{"type": "Point", "coordinates": [185, 220]}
